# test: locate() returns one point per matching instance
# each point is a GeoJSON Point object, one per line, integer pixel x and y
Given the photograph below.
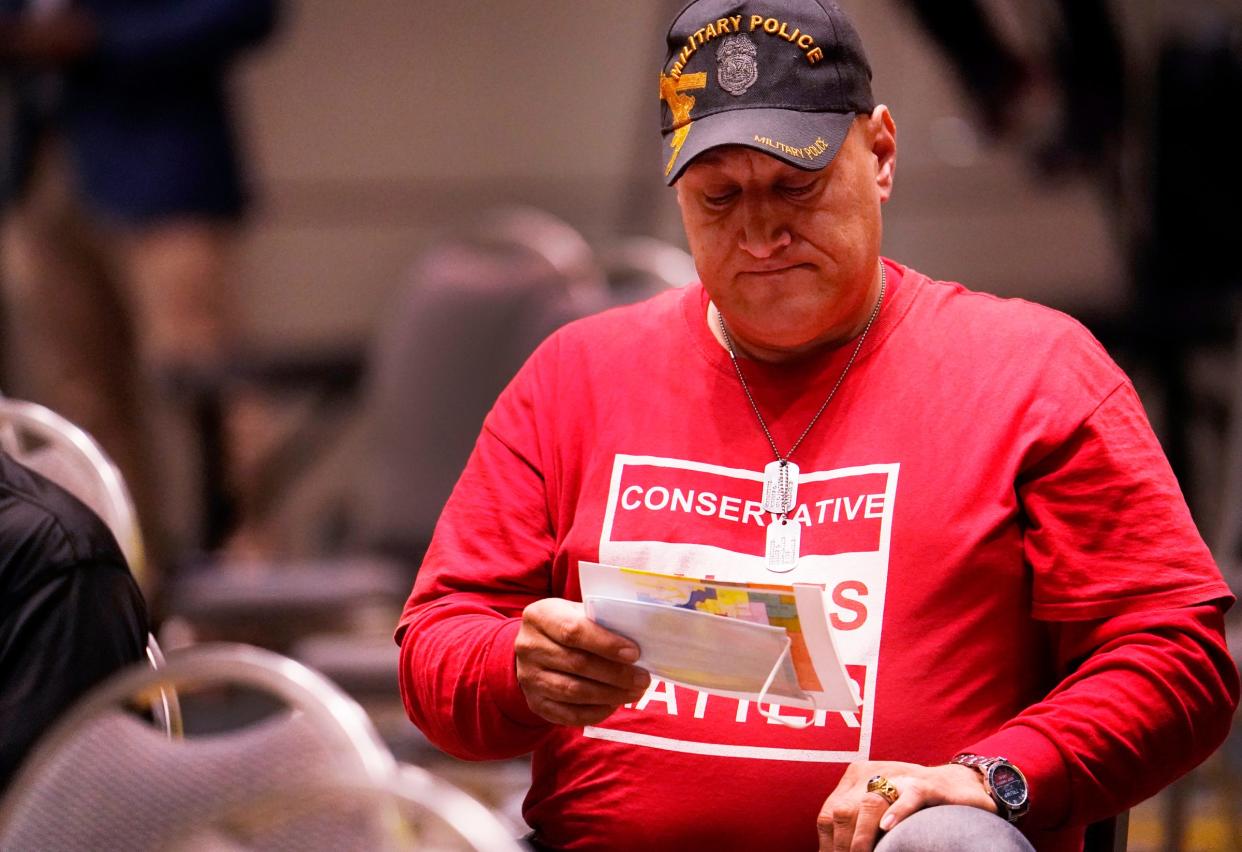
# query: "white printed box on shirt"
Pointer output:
{"type": "Point", "coordinates": [707, 521]}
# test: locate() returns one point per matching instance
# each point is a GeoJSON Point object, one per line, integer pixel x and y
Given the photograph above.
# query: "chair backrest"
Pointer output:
{"type": "Point", "coordinates": [548, 238]}
{"type": "Point", "coordinates": [1227, 543]}
{"type": "Point", "coordinates": [1108, 835]}
{"type": "Point", "coordinates": [472, 312]}
{"type": "Point", "coordinates": [466, 816]}
{"type": "Point", "coordinates": [166, 708]}
{"type": "Point", "coordinates": [314, 776]}
{"type": "Point", "coordinates": [52, 446]}
{"type": "Point", "coordinates": [640, 267]}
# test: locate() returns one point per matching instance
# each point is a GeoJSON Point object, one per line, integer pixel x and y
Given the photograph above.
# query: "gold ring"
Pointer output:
{"type": "Point", "coordinates": [883, 787]}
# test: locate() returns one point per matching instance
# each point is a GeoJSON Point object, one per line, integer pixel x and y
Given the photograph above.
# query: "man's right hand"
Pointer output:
{"type": "Point", "coordinates": [573, 671]}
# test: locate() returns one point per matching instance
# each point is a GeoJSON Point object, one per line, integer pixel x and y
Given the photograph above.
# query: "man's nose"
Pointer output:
{"type": "Point", "coordinates": [764, 232]}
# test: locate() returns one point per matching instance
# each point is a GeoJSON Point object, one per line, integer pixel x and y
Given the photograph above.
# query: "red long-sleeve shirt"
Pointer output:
{"type": "Point", "coordinates": [1011, 566]}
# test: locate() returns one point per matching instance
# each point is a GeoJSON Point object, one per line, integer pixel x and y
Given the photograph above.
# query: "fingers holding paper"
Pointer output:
{"type": "Point", "coordinates": [863, 806]}
{"type": "Point", "coordinates": [572, 671]}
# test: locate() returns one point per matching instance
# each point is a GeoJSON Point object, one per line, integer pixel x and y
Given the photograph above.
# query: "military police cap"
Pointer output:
{"type": "Point", "coordinates": [786, 77]}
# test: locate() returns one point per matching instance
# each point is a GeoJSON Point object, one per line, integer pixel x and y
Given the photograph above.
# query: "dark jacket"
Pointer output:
{"type": "Point", "coordinates": [70, 612]}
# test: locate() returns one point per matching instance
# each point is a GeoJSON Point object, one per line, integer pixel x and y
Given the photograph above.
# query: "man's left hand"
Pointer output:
{"type": "Point", "coordinates": [852, 819]}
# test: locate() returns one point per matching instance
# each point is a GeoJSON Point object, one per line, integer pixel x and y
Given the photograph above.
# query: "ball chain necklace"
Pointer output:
{"type": "Point", "coordinates": [780, 477]}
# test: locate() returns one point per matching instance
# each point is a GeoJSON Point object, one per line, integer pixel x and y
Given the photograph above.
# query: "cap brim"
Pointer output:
{"type": "Point", "coordinates": [808, 140]}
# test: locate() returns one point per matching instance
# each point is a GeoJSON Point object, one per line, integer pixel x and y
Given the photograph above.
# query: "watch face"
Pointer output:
{"type": "Point", "coordinates": [1008, 785]}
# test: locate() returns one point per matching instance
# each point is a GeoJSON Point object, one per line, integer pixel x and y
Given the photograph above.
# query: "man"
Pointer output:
{"type": "Point", "coordinates": [1015, 581]}
{"type": "Point", "coordinates": [70, 612]}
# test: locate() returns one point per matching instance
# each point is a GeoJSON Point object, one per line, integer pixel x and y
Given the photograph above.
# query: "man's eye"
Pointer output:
{"type": "Point", "coordinates": [719, 200]}
{"type": "Point", "coordinates": [799, 191]}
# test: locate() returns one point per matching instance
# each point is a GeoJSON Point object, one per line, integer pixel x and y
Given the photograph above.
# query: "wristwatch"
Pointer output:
{"type": "Point", "coordinates": [1003, 781]}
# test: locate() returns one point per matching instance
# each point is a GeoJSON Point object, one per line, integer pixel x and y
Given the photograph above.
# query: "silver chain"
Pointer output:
{"type": "Point", "coordinates": [745, 387]}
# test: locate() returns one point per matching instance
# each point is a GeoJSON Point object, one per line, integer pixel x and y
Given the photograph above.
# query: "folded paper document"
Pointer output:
{"type": "Point", "coordinates": [744, 640]}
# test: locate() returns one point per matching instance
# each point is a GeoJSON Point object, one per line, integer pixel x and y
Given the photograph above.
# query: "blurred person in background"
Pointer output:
{"type": "Point", "coordinates": [1033, 623]}
{"type": "Point", "coordinates": [70, 611]}
{"type": "Point", "coordinates": [122, 187]}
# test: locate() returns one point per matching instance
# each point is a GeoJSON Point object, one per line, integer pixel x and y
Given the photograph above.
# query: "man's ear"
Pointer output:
{"type": "Point", "coordinates": [884, 147]}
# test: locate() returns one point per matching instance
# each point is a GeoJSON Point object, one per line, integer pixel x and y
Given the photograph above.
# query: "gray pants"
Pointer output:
{"type": "Point", "coordinates": [953, 828]}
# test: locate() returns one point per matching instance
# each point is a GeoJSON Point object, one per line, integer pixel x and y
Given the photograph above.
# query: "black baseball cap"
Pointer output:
{"type": "Point", "coordinates": [786, 77]}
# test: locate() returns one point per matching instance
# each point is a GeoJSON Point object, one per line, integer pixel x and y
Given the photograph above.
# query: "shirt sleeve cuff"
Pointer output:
{"type": "Point", "coordinates": [1047, 777]}
{"type": "Point", "coordinates": [502, 684]}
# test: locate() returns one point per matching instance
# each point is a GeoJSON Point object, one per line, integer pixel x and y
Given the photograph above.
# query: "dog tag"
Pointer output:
{"type": "Point", "coordinates": [780, 487]}
{"type": "Point", "coordinates": [784, 543]}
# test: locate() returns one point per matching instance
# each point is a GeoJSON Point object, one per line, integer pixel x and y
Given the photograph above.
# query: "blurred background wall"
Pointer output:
{"type": "Point", "coordinates": [379, 127]}
{"type": "Point", "coordinates": [376, 125]}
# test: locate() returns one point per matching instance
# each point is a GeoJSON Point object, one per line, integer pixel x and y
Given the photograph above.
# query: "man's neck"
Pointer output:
{"type": "Point", "coordinates": [771, 355]}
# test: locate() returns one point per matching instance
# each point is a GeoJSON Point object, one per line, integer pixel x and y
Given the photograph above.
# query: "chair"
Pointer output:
{"type": "Point", "coordinates": [1107, 835]}
{"type": "Point", "coordinates": [428, 384]}
{"type": "Point", "coordinates": [312, 776]}
{"type": "Point", "coordinates": [472, 312]}
{"type": "Point", "coordinates": [1227, 543]}
{"type": "Point", "coordinates": [1227, 548]}
{"type": "Point", "coordinates": [639, 267]}
{"type": "Point", "coordinates": [52, 446]}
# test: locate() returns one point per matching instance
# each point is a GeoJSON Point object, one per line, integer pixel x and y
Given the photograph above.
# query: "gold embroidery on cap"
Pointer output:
{"type": "Point", "coordinates": [671, 92]}
{"type": "Point", "coordinates": [733, 25]}
{"type": "Point", "coordinates": [806, 152]}
{"type": "Point", "coordinates": [700, 37]}
{"type": "Point", "coordinates": [781, 29]}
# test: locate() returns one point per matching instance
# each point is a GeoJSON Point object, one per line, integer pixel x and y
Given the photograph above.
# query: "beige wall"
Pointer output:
{"type": "Point", "coordinates": [378, 124]}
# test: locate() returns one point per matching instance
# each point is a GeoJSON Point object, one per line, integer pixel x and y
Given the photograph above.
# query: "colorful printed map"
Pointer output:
{"type": "Point", "coordinates": [774, 606]}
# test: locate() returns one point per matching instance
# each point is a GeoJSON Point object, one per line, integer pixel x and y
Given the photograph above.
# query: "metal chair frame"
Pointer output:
{"type": "Point", "coordinates": [341, 721]}
{"type": "Point", "coordinates": [111, 501]}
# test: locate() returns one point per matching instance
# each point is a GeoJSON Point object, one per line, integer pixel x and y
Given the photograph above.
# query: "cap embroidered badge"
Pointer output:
{"type": "Point", "coordinates": [789, 77]}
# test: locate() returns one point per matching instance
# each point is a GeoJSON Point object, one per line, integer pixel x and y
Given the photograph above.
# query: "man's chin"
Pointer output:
{"type": "Point", "coordinates": [780, 344]}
